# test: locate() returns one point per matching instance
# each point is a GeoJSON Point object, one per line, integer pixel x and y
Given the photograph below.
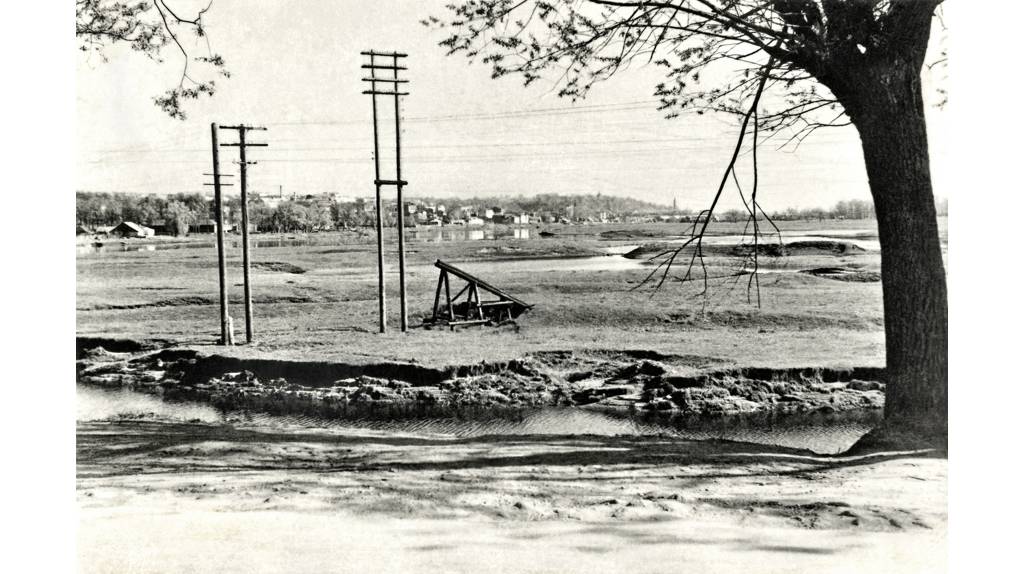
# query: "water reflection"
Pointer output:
{"type": "Point", "coordinates": [118, 246]}
{"type": "Point", "coordinates": [98, 404]}
{"type": "Point", "coordinates": [822, 433]}
{"type": "Point", "coordinates": [438, 234]}
{"type": "Point", "coordinates": [430, 234]}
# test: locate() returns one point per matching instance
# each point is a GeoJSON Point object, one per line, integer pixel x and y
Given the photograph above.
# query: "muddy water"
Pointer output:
{"type": "Point", "coordinates": [825, 434]}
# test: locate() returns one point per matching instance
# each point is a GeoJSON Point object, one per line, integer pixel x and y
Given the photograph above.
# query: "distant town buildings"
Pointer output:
{"type": "Point", "coordinates": [138, 216]}
{"type": "Point", "coordinates": [129, 229]}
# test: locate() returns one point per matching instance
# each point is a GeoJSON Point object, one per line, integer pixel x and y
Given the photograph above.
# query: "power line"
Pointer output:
{"type": "Point", "coordinates": [701, 142]}
{"type": "Point", "coordinates": [555, 111]}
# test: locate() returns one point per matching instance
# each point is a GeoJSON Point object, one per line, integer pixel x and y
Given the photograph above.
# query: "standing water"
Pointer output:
{"type": "Point", "coordinates": [825, 434]}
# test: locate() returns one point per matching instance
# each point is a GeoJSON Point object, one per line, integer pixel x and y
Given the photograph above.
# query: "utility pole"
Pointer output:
{"type": "Point", "coordinates": [226, 336]}
{"type": "Point", "coordinates": [398, 182]}
{"type": "Point", "coordinates": [242, 164]}
{"type": "Point", "coordinates": [401, 202]}
{"type": "Point", "coordinates": [381, 297]}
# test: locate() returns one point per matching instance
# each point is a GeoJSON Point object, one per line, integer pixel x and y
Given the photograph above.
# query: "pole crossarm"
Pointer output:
{"type": "Point", "coordinates": [383, 67]}
{"type": "Point", "coordinates": [385, 54]}
{"type": "Point", "coordinates": [380, 93]}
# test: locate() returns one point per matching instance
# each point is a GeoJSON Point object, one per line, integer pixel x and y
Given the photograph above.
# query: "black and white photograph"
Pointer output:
{"type": "Point", "coordinates": [507, 286]}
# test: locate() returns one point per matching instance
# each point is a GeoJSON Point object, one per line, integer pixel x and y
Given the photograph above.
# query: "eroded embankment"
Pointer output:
{"type": "Point", "coordinates": [622, 381]}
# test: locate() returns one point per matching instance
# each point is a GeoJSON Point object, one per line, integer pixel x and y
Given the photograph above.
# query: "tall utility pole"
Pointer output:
{"type": "Point", "coordinates": [226, 337]}
{"type": "Point", "coordinates": [242, 163]}
{"type": "Point", "coordinates": [398, 182]}
{"type": "Point", "coordinates": [401, 202]}
{"type": "Point", "coordinates": [381, 298]}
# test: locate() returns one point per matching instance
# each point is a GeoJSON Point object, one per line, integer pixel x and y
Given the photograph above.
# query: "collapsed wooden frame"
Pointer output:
{"type": "Point", "coordinates": [473, 310]}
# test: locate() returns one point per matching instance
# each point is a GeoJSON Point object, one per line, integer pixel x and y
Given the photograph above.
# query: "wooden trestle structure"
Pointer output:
{"type": "Point", "coordinates": [473, 310]}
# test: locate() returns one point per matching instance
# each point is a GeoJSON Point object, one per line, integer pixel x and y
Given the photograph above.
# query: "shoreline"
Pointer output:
{"type": "Point", "coordinates": [671, 389]}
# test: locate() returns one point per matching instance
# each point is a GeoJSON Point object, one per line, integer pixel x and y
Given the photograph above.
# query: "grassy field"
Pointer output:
{"type": "Point", "coordinates": [158, 492]}
{"type": "Point", "coordinates": [315, 297]}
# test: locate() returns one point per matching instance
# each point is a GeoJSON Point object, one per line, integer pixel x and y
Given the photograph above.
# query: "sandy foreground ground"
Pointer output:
{"type": "Point", "coordinates": [158, 495]}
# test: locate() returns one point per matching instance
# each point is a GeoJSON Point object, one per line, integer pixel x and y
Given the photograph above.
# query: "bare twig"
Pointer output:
{"type": "Point", "coordinates": [697, 236]}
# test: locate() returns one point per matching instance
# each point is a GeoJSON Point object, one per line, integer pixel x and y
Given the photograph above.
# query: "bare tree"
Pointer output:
{"type": "Point", "coordinates": [790, 68]}
{"type": "Point", "coordinates": [149, 28]}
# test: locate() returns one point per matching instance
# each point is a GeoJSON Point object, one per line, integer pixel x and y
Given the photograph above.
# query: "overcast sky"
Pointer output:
{"type": "Point", "coordinates": [295, 69]}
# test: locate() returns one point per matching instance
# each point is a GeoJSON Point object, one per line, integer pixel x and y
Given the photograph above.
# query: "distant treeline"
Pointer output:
{"type": "Point", "coordinates": [177, 213]}
{"type": "Point", "coordinates": [577, 205]}
{"type": "Point", "coordinates": [849, 209]}
{"type": "Point", "coordinates": [179, 210]}
{"type": "Point", "coordinates": [314, 213]}
{"type": "Point", "coordinates": [588, 206]}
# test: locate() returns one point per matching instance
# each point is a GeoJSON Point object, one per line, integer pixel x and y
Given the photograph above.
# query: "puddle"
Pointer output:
{"type": "Point", "coordinates": [97, 404]}
{"type": "Point", "coordinates": [821, 433]}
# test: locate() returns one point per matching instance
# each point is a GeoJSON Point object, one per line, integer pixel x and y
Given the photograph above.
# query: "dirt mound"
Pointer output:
{"type": "Point", "coordinates": [822, 246]}
{"type": "Point", "coordinates": [845, 274]}
{"type": "Point", "coordinates": [87, 347]}
{"type": "Point", "coordinates": [766, 320]}
{"type": "Point", "coordinates": [648, 387]}
{"type": "Point", "coordinates": [647, 250]}
{"type": "Point", "coordinates": [814, 247]}
{"type": "Point", "coordinates": [172, 302]}
{"type": "Point", "coordinates": [765, 249]}
{"type": "Point", "coordinates": [628, 234]}
{"type": "Point", "coordinates": [278, 266]}
{"type": "Point", "coordinates": [501, 252]}
{"type": "Point", "coordinates": [623, 382]}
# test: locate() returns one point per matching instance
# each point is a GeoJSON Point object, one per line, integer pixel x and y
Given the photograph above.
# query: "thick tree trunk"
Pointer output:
{"type": "Point", "coordinates": [889, 113]}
